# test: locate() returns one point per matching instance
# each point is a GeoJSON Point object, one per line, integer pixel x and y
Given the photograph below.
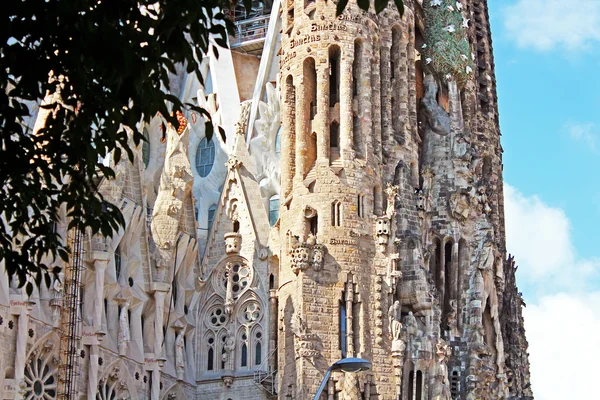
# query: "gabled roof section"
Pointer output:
{"type": "Point", "coordinates": [240, 200]}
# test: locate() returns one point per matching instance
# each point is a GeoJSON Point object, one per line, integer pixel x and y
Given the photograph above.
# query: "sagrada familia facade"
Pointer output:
{"type": "Point", "coordinates": [351, 206]}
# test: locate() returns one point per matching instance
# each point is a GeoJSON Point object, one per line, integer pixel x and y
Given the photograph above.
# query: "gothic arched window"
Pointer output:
{"type": "Point", "coordinates": [257, 348]}
{"type": "Point", "coordinates": [336, 213]}
{"type": "Point", "coordinates": [244, 352]}
{"type": "Point", "coordinates": [273, 209]}
{"type": "Point", "coordinates": [40, 378]}
{"type": "Point", "coordinates": [205, 157]}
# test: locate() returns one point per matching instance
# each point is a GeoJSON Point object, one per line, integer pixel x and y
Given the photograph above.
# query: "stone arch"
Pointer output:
{"type": "Point", "coordinates": [116, 382]}
{"type": "Point", "coordinates": [175, 391]}
{"type": "Point", "coordinates": [41, 368]}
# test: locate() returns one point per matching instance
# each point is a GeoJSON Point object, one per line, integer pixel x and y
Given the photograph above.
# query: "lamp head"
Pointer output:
{"type": "Point", "coordinates": [351, 365]}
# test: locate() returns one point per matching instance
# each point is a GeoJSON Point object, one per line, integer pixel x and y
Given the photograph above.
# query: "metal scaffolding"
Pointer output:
{"type": "Point", "coordinates": [70, 320]}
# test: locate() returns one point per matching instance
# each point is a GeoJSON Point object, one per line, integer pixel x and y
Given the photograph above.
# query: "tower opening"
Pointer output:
{"type": "Point", "coordinates": [334, 78]}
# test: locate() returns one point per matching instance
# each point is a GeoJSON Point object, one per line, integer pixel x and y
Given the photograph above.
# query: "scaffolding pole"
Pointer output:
{"type": "Point", "coordinates": [70, 320]}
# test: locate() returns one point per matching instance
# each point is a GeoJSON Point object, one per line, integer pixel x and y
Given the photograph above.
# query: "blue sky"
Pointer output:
{"type": "Point", "coordinates": [547, 55]}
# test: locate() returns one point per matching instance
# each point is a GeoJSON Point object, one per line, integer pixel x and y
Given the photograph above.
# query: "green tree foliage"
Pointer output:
{"type": "Point", "coordinates": [115, 57]}
{"type": "Point", "coordinates": [109, 63]}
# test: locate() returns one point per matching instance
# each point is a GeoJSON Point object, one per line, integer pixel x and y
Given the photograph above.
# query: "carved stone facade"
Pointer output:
{"type": "Point", "coordinates": [352, 207]}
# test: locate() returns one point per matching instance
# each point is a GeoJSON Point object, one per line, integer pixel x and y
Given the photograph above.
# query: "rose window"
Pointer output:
{"type": "Point", "coordinates": [251, 313]}
{"type": "Point", "coordinates": [240, 278]}
{"type": "Point", "coordinates": [217, 317]}
{"type": "Point", "coordinates": [40, 377]}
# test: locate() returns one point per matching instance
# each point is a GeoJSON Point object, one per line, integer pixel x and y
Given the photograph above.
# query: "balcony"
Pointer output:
{"type": "Point", "coordinates": [250, 34]}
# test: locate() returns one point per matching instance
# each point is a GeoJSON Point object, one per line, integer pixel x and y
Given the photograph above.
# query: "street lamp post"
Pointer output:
{"type": "Point", "coordinates": [346, 365]}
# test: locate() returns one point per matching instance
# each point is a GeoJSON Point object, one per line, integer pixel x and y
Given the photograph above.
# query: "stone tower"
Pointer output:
{"type": "Point", "coordinates": [391, 219]}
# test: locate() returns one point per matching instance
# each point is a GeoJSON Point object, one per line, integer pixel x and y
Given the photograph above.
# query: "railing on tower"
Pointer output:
{"type": "Point", "coordinates": [70, 319]}
{"type": "Point", "coordinates": [265, 376]}
{"type": "Point", "coordinates": [250, 25]}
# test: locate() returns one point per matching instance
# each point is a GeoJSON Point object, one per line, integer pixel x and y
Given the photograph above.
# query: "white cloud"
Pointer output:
{"type": "Point", "coordinates": [562, 328]}
{"type": "Point", "coordinates": [547, 24]}
{"type": "Point", "coordinates": [539, 237]}
{"type": "Point", "coordinates": [564, 346]}
{"type": "Point", "coordinates": [585, 134]}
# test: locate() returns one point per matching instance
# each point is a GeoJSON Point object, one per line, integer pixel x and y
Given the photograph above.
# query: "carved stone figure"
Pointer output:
{"type": "Point", "coordinates": [229, 300]}
{"type": "Point", "coordinates": [410, 325]}
{"type": "Point", "coordinates": [391, 193]}
{"type": "Point", "coordinates": [395, 316]}
{"type": "Point", "coordinates": [305, 341]}
{"type": "Point", "coordinates": [481, 200]}
{"type": "Point", "coordinates": [318, 257]}
{"type": "Point", "coordinates": [232, 242]}
{"type": "Point", "coordinates": [459, 205]}
{"type": "Point", "coordinates": [440, 389]}
{"type": "Point", "coordinates": [124, 335]}
{"type": "Point", "coordinates": [179, 356]}
{"type": "Point", "coordinates": [487, 257]}
{"type": "Point", "coordinates": [436, 121]}
{"type": "Point", "coordinates": [229, 346]}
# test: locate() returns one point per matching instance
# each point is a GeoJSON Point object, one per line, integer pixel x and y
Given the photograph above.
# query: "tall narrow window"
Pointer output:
{"type": "Point", "coordinates": [334, 79]}
{"type": "Point", "coordinates": [106, 309]}
{"type": "Point", "coordinates": [448, 274]}
{"type": "Point", "coordinates": [244, 355]}
{"type": "Point", "coordinates": [419, 385]}
{"type": "Point", "coordinates": [334, 135]}
{"type": "Point", "coordinates": [411, 378]}
{"type": "Point", "coordinates": [273, 209]}
{"type": "Point", "coordinates": [205, 157]}
{"type": "Point", "coordinates": [146, 147]}
{"type": "Point", "coordinates": [236, 226]}
{"type": "Point", "coordinates": [336, 213]}
{"type": "Point", "coordinates": [356, 67]}
{"type": "Point", "coordinates": [314, 225]}
{"type": "Point", "coordinates": [257, 354]}
{"type": "Point", "coordinates": [117, 262]}
{"type": "Point", "coordinates": [210, 357]}
{"type": "Point", "coordinates": [211, 215]}
{"type": "Point", "coordinates": [258, 348]}
{"type": "Point", "coordinates": [361, 205]}
{"type": "Point", "coordinates": [174, 291]}
{"type": "Point", "coordinates": [343, 326]}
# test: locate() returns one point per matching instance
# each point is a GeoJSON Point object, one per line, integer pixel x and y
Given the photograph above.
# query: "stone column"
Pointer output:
{"type": "Point", "coordinates": [453, 295]}
{"type": "Point", "coordinates": [160, 291]}
{"type": "Point", "coordinates": [322, 117]}
{"type": "Point", "coordinates": [301, 128]}
{"type": "Point", "coordinates": [272, 328]}
{"type": "Point", "coordinates": [364, 101]}
{"type": "Point", "coordinates": [21, 347]}
{"type": "Point", "coordinates": [346, 114]}
{"type": "Point", "coordinates": [100, 263]}
{"type": "Point", "coordinates": [93, 372]}
{"type": "Point", "coordinates": [442, 274]}
{"type": "Point", "coordinates": [287, 136]}
{"type": "Point", "coordinates": [349, 318]}
{"type": "Point", "coordinates": [386, 87]}
{"type": "Point", "coordinates": [376, 103]}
